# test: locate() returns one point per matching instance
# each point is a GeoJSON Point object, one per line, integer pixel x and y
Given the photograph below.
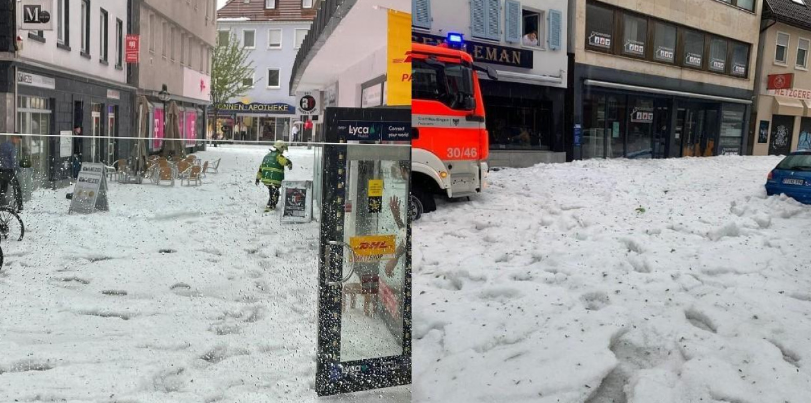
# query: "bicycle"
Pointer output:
{"type": "Point", "coordinates": [10, 222]}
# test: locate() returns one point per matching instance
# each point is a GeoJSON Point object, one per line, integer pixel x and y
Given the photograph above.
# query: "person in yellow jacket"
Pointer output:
{"type": "Point", "coordinates": [271, 172]}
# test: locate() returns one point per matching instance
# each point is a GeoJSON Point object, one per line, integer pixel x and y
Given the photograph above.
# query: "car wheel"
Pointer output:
{"type": "Point", "coordinates": [415, 207]}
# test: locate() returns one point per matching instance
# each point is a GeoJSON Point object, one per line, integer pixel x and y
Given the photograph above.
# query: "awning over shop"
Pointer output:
{"type": "Point", "coordinates": [788, 106]}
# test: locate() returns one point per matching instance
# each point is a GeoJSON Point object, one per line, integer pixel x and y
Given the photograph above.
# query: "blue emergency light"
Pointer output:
{"type": "Point", "coordinates": [455, 40]}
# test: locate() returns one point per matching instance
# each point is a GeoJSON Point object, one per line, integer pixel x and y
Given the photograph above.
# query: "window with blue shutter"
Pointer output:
{"type": "Point", "coordinates": [494, 19]}
{"type": "Point", "coordinates": [512, 21]}
{"type": "Point", "coordinates": [478, 26]}
{"type": "Point", "coordinates": [555, 22]}
{"type": "Point", "coordinates": [485, 19]}
{"type": "Point", "coordinates": [421, 13]}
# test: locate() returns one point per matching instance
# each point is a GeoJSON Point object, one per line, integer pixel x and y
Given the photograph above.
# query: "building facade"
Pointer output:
{"type": "Point", "coordinates": [177, 39]}
{"type": "Point", "coordinates": [273, 32]}
{"type": "Point", "coordinates": [70, 77]}
{"type": "Point", "coordinates": [662, 79]}
{"type": "Point", "coordinates": [781, 121]}
{"type": "Point", "coordinates": [525, 41]}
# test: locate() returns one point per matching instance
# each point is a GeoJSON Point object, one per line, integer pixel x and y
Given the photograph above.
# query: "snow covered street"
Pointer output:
{"type": "Point", "coordinates": [667, 281]}
{"type": "Point", "coordinates": [178, 294]}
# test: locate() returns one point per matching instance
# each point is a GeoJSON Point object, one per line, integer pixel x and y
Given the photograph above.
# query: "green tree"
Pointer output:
{"type": "Point", "coordinates": [229, 73]}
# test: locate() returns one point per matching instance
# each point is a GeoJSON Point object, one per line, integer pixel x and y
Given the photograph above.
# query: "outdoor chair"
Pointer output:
{"type": "Point", "coordinates": [116, 169]}
{"type": "Point", "coordinates": [183, 169]}
{"type": "Point", "coordinates": [193, 176]}
{"type": "Point", "coordinates": [205, 169]}
{"type": "Point", "coordinates": [215, 166]}
{"type": "Point", "coordinates": [164, 173]}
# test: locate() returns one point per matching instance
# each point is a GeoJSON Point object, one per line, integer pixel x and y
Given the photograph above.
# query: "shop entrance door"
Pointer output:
{"type": "Point", "coordinates": [699, 129]}
{"type": "Point", "coordinates": [661, 127]}
{"type": "Point", "coordinates": [364, 327]}
{"type": "Point", "coordinates": [109, 143]}
{"type": "Point", "coordinates": [95, 130]}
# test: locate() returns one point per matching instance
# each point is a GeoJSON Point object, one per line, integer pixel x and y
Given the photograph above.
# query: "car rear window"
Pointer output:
{"type": "Point", "coordinates": [796, 162]}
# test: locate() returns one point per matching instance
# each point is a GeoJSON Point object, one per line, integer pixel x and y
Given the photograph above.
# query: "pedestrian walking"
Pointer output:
{"type": "Point", "coordinates": [271, 172]}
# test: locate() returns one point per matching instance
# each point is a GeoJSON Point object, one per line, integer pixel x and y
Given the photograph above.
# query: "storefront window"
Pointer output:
{"type": "Point", "coordinates": [740, 59]}
{"type": "Point", "coordinates": [635, 35]}
{"type": "Point", "coordinates": [804, 142]}
{"type": "Point", "coordinates": [593, 140]}
{"type": "Point", "coordinates": [731, 130]}
{"type": "Point", "coordinates": [640, 128]}
{"type": "Point", "coordinates": [718, 55]}
{"type": "Point", "coordinates": [599, 27]}
{"type": "Point", "coordinates": [664, 40]}
{"type": "Point", "coordinates": [34, 117]}
{"type": "Point", "coordinates": [513, 126]}
{"type": "Point", "coordinates": [693, 48]}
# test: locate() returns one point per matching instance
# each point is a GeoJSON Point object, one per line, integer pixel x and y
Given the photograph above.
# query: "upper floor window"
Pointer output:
{"type": "Point", "coordinates": [85, 27]}
{"type": "Point", "coordinates": [153, 33]}
{"type": "Point", "coordinates": [165, 37]}
{"type": "Point", "coordinates": [635, 35]}
{"type": "Point", "coordinates": [744, 4]}
{"type": "Point", "coordinates": [270, 4]}
{"type": "Point", "coordinates": [781, 51]}
{"type": "Point", "coordinates": [275, 39]}
{"type": "Point", "coordinates": [599, 27]}
{"type": "Point", "coordinates": [104, 35]}
{"type": "Point", "coordinates": [300, 35]}
{"type": "Point", "coordinates": [249, 38]}
{"type": "Point", "coordinates": [223, 37]}
{"type": "Point", "coordinates": [119, 43]}
{"type": "Point", "coordinates": [306, 3]}
{"type": "Point", "coordinates": [718, 55]}
{"type": "Point", "coordinates": [802, 53]}
{"type": "Point", "coordinates": [63, 21]}
{"type": "Point", "coordinates": [664, 42]}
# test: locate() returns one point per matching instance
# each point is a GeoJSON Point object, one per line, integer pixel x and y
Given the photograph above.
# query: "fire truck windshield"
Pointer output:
{"type": "Point", "coordinates": [451, 84]}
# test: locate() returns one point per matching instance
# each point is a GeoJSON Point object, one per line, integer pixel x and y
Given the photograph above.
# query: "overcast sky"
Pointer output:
{"type": "Point", "coordinates": [221, 3]}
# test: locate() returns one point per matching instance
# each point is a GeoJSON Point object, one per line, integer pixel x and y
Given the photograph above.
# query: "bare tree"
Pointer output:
{"type": "Point", "coordinates": [231, 68]}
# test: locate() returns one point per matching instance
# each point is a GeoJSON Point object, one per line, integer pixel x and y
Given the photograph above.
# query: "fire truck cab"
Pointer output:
{"type": "Point", "coordinates": [450, 143]}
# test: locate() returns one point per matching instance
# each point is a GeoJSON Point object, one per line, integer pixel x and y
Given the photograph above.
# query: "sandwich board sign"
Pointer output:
{"type": "Point", "coordinates": [297, 201]}
{"type": "Point", "coordinates": [90, 191]}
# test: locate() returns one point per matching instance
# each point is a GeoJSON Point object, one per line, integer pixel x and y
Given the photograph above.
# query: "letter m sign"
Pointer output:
{"type": "Point", "coordinates": [36, 15]}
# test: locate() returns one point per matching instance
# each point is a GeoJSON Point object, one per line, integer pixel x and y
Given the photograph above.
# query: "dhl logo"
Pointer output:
{"type": "Point", "coordinates": [373, 245]}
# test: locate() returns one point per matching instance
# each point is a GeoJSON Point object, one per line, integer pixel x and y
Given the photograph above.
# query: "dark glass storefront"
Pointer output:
{"type": "Point", "coordinates": [523, 116]}
{"type": "Point", "coordinates": [620, 124]}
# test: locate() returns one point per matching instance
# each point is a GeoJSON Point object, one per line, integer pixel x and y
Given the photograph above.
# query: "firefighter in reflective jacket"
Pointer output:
{"type": "Point", "coordinates": [271, 172]}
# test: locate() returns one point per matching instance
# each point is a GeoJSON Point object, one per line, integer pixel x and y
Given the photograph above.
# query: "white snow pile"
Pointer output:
{"type": "Point", "coordinates": [178, 294]}
{"type": "Point", "coordinates": [663, 281]}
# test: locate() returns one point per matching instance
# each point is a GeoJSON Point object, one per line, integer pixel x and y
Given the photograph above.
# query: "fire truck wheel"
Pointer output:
{"type": "Point", "coordinates": [415, 208]}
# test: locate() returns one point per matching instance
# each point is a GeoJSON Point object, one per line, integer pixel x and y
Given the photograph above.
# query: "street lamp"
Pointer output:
{"type": "Point", "coordinates": [164, 97]}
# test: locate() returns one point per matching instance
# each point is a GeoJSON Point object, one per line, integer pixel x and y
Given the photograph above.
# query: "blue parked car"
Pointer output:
{"type": "Point", "coordinates": [792, 177]}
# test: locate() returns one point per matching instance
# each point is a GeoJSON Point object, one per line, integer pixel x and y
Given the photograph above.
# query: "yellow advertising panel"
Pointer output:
{"type": "Point", "coordinates": [375, 187]}
{"type": "Point", "coordinates": [373, 247]}
{"type": "Point", "coordinates": [398, 84]}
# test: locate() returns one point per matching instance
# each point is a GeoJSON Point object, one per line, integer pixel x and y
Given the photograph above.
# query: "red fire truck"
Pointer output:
{"type": "Point", "coordinates": [449, 142]}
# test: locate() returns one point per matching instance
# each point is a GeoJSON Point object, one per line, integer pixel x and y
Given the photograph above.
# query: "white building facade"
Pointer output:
{"type": "Point", "coordinates": [73, 76]}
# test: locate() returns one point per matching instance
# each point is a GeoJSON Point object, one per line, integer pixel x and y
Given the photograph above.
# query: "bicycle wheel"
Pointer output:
{"type": "Point", "coordinates": [11, 225]}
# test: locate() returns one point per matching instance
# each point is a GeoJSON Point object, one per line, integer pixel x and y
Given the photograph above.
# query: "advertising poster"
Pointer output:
{"type": "Point", "coordinates": [399, 67]}
{"type": "Point", "coordinates": [191, 128]}
{"type": "Point", "coordinates": [763, 133]}
{"type": "Point", "coordinates": [157, 141]}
